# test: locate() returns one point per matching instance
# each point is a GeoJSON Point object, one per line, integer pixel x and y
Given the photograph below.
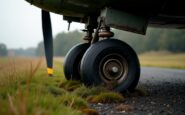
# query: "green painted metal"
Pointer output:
{"type": "Point", "coordinates": [128, 15]}
{"type": "Point", "coordinates": [124, 21]}
{"type": "Point", "coordinates": [75, 8]}
{"type": "Point", "coordinates": [81, 8]}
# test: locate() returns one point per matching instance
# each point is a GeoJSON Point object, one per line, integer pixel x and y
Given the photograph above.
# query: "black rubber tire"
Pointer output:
{"type": "Point", "coordinates": [73, 60]}
{"type": "Point", "coordinates": [90, 65]}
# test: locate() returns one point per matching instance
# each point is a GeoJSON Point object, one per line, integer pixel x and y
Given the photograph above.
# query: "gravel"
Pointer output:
{"type": "Point", "coordinates": [166, 89]}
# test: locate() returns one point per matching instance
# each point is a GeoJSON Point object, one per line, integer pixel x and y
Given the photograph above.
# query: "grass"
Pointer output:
{"type": "Point", "coordinates": [163, 59]}
{"type": "Point", "coordinates": [70, 85]}
{"type": "Point", "coordinates": [26, 89]}
{"type": "Point", "coordinates": [107, 97]}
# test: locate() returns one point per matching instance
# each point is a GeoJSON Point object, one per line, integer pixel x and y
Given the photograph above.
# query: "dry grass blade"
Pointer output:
{"type": "Point", "coordinates": [19, 106]}
{"type": "Point", "coordinates": [22, 103]}
{"type": "Point", "coordinates": [33, 71]}
{"type": "Point", "coordinates": [13, 109]}
{"type": "Point", "coordinates": [72, 102]}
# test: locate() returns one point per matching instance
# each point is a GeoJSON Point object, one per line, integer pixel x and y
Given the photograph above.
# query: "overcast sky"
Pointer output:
{"type": "Point", "coordinates": [20, 24]}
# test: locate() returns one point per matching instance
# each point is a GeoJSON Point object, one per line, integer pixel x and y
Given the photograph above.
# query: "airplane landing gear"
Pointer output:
{"type": "Point", "coordinates": [110, 62]}
{"type": "Point", "coordinates": [73, 60]}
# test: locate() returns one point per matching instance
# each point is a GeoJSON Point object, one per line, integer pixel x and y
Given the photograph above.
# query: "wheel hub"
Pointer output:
{"type": "Point", "coordinates": [113, 67]}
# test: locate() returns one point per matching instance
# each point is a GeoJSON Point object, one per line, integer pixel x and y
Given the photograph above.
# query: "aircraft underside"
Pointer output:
{"type": "Point", "coordinates": [101, 59]}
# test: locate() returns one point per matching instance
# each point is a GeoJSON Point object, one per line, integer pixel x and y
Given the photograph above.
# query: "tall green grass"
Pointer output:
{"type": "Point", "coordinates": [26, 89]}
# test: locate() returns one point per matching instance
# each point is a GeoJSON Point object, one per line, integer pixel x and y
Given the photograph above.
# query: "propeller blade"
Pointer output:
{"type": "Point", "coordinates": [48, 41]}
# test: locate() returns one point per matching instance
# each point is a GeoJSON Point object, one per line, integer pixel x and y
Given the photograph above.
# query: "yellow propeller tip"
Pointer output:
{"type": "Point", "coordinates": [50, 71]}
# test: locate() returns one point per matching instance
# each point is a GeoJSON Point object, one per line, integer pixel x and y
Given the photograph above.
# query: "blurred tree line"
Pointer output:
{"type": "Point", "coordinates": [28, 52]}
{"type": "Point", "coordinates": [3, 50]}
{"type": "Point", "coordinates": [62, 43]}
{"type": "Point", "coordinates": [156, 39]}
{"type": "Point", "coordinates": [172, 40]}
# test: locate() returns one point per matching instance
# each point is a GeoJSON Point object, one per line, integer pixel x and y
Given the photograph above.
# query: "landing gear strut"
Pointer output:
{"type": "Point", "coordinates": [110, 62]}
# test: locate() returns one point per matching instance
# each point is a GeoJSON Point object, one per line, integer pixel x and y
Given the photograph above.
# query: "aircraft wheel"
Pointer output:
{"type": "Point", "coordinates": [73, 60]}
{"type": "Point", "coordinates": [113, 63]}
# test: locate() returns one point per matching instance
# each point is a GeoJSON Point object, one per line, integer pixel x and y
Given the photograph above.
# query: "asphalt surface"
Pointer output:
{"type": "Point", "coordinates": [166, 88]}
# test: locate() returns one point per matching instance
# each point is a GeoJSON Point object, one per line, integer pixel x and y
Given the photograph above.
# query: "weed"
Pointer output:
{"type": "Point", "coordinates": [73, 101]}
{"type": "Point", "coordinates": [56, 91]}
{"type": "Point", "coordinates": [70, 85]}
{"type": "Point", "coordinates": [82, 91]}
{"type": "Point", "coordinates": [106, 97]}
{"type": "Point", "coordinates": [85, 92]}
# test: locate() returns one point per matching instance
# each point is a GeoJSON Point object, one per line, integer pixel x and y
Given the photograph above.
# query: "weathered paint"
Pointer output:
{"type": "Point", "coordinates": [124, 21]}
{"type": "Point", "coordinates": [80, 8]}
{"type": "Point", "coordinates": [170, 13]}
{"type": "Point", "coordinates": [75, 8]}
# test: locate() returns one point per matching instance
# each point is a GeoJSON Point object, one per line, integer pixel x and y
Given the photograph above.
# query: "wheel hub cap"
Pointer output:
{"type": "Point", "coordinates": [113, 68]}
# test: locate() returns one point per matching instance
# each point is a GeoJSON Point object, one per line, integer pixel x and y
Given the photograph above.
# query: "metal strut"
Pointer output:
{"type": "Point", "coordinates": [102, 30]}
{"type": "Point", "coordinates": [89, 31]}
{"type": "Point", "coordinates": [105, 31]}
{"type": "Point", "coordinates": [96, 34]}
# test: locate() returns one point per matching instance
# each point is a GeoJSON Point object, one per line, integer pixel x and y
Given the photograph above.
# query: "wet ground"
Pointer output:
{"type": "Point", "coordinates": [166, 89]}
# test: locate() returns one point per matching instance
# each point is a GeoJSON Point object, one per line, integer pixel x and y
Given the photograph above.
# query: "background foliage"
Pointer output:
{"type": "Point", "coordinates": [171, 40]}
{"type": "Point", "coordinates": [3, 50]}
{"type": "Point", "coordinates": [155, 40]}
